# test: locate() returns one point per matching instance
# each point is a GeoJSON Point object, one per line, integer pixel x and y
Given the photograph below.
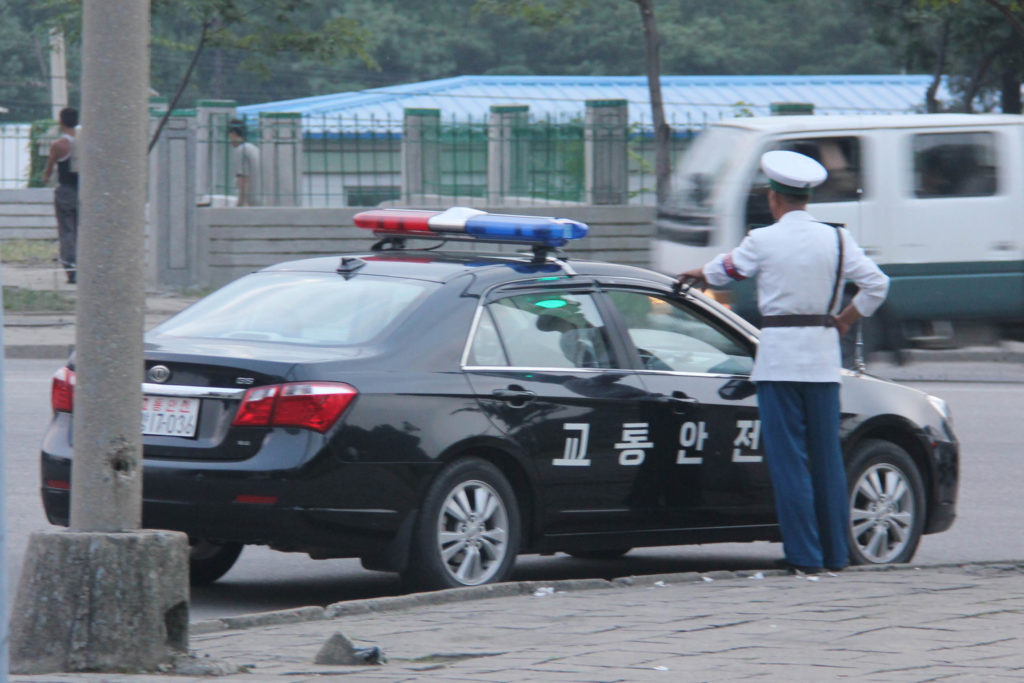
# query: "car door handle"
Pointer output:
{"type": "Point", "coordinates": [680, 402]}
{"type": "Point", "coordinates": [516, 396]}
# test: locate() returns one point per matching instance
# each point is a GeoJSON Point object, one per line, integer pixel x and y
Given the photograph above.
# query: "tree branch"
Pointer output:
{"type": "Point", "coordinates": [1008, 14]}
{"type": "Point", "coordinates": [940, 66]}
{"type": "Point", "coordinates": [184, 82]}
{"type": "Point", "coordinates": [662, 162]}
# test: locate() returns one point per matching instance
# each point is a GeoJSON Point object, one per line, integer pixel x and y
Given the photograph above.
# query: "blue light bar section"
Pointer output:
{"type": "Point", "coordinates": [554, 232]}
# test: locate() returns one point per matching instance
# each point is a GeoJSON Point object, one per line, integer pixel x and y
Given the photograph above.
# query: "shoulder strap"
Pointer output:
{"type": "Point", "coordinates": [839, 270]}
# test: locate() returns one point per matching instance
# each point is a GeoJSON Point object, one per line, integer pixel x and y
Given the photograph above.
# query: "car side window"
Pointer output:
{"type": "Point", "coordinates": [487, 349]}
{"type": "Point", "coordinates": [549, 329]}
{"type": "Point", "coordinates": [954, 165]}
{"type": "Point", "coordinates": [671, 337]}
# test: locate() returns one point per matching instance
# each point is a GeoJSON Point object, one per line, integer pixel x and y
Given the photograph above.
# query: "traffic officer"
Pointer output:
{"type": "Point", "coordinates": [800, 264]}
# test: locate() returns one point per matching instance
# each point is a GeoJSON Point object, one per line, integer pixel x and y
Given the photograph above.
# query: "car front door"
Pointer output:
{"type": "Point", "coordinates": [704, 417]}
{"type": "Point", "coordinates": [545, 369]}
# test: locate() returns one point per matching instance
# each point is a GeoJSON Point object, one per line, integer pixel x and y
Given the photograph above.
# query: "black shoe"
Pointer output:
{"type": "Point", "coordinates": [835, 570]}
{"type": "Point", "coordinates": [797, 568]}
{"type": "Point", "coordinates": [72, 277]}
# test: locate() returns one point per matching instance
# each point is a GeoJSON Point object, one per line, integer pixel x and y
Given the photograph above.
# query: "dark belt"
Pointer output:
{"type": "Point", "coordinates": [796, 320]}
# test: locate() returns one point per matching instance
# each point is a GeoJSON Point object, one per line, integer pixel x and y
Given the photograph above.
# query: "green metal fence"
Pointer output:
{"type": "Point", "coordinates": [349, 161]}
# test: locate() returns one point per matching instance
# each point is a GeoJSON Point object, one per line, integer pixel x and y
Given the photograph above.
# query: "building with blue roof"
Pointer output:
{"type": "Point", "coordinates": [691, 102]}
{"type": "Point", "coordinates": [529, 136]}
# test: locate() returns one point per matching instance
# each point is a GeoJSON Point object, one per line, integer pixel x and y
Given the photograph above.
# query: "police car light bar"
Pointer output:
{"type": "Point", "coordinates": [552, 232]}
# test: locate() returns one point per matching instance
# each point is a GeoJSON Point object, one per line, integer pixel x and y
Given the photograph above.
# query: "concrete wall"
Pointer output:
{"type": "Point", "coordinates": [233, 241]}
{"type": "Point", "coordinates": [241, 240]}
{"type": "Point", "coordinates": [27, 214]}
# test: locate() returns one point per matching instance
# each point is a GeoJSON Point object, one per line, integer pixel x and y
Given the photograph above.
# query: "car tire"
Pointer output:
{"type": "Point", "coordinates": [467, 533]}
{"type": "Point", "coordinates": [208, 561]}
{"type": "Point", "coordinates": [887, 504]}
{"type": "Point", "coordinates": [608, 554]}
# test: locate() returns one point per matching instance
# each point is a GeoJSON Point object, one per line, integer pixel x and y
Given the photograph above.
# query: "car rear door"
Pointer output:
{"type": "Point", "coordinates": [547, 372]}
{"type": "Point", "coordinates": [705, 427]}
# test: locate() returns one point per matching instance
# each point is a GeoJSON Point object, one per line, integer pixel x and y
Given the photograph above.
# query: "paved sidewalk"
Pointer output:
{"type": "Point", "coordinates": [52, 335]}
{"type": "Point", "coordinates": [960, 623]}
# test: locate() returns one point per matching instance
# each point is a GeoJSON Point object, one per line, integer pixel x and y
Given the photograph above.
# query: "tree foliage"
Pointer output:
{"type": "Point", "coordinates": [262, 50]}
{"type": "Point", "coordinates": [977, 44]}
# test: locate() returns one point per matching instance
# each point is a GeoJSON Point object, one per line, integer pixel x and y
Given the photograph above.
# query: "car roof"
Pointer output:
{"type": "Point", "coordinates": [445, 266]}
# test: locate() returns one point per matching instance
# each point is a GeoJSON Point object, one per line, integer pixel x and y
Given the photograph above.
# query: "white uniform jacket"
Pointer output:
{"type": "Point", "coordinates": [795, 264]}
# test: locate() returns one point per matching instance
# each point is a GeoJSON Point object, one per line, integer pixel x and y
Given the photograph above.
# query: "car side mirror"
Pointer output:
{"type": "Point", "coordinates": [737, 389]}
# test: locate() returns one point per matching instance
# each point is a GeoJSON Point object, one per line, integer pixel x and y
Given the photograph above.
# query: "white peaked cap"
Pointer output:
{"type": "Point", "coordinates": [795, 172]}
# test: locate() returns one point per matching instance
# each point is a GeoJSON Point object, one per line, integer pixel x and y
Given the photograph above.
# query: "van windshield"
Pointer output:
{"type": "Point", "coordinates": [703, 166]}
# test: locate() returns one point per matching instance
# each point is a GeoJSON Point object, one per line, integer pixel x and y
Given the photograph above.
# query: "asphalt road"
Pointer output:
{"type": "Point", "coordinates": [988, 421]}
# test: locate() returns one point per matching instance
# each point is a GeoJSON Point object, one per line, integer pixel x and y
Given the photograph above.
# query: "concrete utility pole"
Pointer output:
{"type": "Point", "coordinates": [4, 631]}
{"type": "Point", "coordinates": [58, 74]}
{"type": "Point", "coordinates": [106, 596]}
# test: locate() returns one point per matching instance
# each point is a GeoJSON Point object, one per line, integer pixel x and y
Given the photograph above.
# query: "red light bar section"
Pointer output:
{"type": "Point", "coordinates": [396, 220]}
{"type": "Point", "coordinates": [255, 500]}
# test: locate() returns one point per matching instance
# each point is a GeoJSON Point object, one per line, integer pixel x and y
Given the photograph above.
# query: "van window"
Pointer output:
{"type": "Point", "coordinates": [954, 165]}
{"type": "Point", "coordinates": [703, 167]}
{"type": "Point", "coordinates": [841, 158]}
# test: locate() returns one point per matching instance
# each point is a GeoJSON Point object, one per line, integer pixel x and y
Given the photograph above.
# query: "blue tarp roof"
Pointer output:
{"type": "Point", "coordinates": [689, 100]}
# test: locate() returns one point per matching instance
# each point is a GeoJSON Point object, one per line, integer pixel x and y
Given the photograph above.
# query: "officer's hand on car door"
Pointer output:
{"type": "Point", "coordinates": [689, 278]}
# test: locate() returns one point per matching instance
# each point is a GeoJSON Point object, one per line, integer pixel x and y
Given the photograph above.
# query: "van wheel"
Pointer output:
{"type": "Point", "coordinates": [887, 504]}
{"type": "Point", "coordinates": [468, 529]}
{"type": "Point", "coordinates": [208, 561]}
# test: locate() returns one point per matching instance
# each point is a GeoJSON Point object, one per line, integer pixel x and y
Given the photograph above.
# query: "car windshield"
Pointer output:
{"type": "Point", "coordinates": [702, 168]}
{"type": "Point", "coordinates": [321, 309]}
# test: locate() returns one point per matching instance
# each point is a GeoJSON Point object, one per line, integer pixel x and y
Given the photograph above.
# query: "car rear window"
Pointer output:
{"type": "Point", "coordinates": [321, 309]}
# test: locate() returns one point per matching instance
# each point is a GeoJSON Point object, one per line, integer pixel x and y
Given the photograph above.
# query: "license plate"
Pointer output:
{"type": "Point", "coordinates": [169, 416]}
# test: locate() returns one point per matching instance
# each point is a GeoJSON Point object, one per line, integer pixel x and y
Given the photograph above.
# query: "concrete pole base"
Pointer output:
{"type": "Point", "coordinates": [103, 602]}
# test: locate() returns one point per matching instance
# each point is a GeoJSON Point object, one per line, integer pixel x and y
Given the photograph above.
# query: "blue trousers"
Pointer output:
{"type": "Point", "coordinates": [800, 432]}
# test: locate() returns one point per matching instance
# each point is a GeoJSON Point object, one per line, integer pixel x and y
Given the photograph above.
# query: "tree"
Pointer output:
{"type": "Point", "coordinates": [979, 47]}
{"type": "Point", "coordinates": [539, 13]}
{"type": "Point", "coordinates": [652, 66]}
{"type": "Point", "coordinates": [260, 29]}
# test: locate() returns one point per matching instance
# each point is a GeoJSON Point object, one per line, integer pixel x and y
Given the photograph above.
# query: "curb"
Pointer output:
{"type": "Point", "coordinates": [515, 588]}
{"type": "Point", "coordinates": [38, 351]}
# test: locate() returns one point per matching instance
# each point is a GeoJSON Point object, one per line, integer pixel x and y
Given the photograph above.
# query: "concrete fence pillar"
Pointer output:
{"type": "Point", "coordinates": [421, 154]}
{"type": "Point", "coordinates": [606, 163]}
{"type": "Point", "coordinates": [172, 249]}
{"type": "Point", "coordinates": [281, 158]}
{"type": "Point", "coordinates": [157, 105]}
{"type": "Point", "coordinates": [507, 152]}
{"type": "Point", "coordinates": [213, 152]}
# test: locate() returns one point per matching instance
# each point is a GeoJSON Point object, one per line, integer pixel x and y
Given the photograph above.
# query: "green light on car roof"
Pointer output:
{"type": "Point", "coordinates": [546, 279]}
{"type": "Point", "coordinates": [551, 303]}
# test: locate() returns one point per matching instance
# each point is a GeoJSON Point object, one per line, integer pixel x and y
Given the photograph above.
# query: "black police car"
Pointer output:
{"type": "Point", "coordinates": [436, 413]}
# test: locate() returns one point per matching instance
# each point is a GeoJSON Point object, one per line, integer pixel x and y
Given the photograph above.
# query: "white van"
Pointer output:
{"type": "Point", "coordinates": [937, 200]}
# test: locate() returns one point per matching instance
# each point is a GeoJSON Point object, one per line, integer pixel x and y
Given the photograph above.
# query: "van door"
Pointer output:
{"type": "Point", "coordinates": [955, 251]}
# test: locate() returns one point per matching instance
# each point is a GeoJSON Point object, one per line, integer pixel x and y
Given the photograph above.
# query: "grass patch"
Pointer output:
{"type": "Point", "coordinates": [29, 252]}
{"type": "Point", "coordinates": [21, 300]}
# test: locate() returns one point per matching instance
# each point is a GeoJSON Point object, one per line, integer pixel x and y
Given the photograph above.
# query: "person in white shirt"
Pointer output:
{"type": "Point", "coordinates": [800, 265]}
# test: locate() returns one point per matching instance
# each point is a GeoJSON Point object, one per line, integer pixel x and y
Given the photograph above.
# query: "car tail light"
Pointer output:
{"type": "Point", "coordinates": [62, 391]}
{"type": "Point", "coordinates": [310, 405]}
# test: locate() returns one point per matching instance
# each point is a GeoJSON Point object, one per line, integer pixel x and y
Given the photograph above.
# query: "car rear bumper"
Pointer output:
{"type": "Point", "coordinates": [253, 508]}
